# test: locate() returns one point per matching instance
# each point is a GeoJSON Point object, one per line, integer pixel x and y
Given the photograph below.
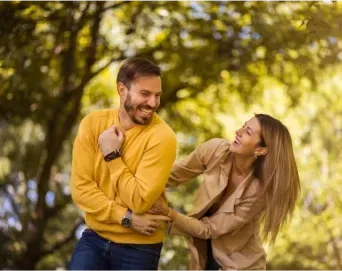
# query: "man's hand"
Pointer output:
{"type": "Point", "coordinates": [111, 140]}
{"type": "Point", "coordinates": [159, 208]}
{"type": "Point", "coordinates": [146, 223]}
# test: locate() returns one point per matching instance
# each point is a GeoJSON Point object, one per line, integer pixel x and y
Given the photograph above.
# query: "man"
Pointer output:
{"type": "Point", "coordinates": [121, 163]}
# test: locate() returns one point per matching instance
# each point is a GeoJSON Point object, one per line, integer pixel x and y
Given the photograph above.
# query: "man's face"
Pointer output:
{"type": "Point", "coordinates": [143, 99]}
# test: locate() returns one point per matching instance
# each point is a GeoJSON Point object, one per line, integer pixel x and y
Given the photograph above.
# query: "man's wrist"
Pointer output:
{"type": "Point", "coordinates": [127, 219]}
{"type": "Point", "coordinates": [112, 155]}
{"type": "Point", "coordinates": [107, 149]}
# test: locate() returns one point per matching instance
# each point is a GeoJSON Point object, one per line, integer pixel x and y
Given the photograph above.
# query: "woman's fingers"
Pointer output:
{"type": "Point", "coordinates": [151, 227]}
{"type": "Point", "coordinates": [158, 217]}
{"type": "Point", "coordinates": [161, 217]}
{"type": "Point", "coordinates": [152, 210]}
{"type": "Point", "coordinates": [149, 230]}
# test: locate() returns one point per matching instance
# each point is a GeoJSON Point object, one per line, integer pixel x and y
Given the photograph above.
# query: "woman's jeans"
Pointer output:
{"type": "Point", "coordinates": [93, 252]}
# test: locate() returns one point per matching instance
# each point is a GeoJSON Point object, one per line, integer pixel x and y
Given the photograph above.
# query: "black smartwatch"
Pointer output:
{"type": "Point", "coordinates": [113, 155]}
{"type": "Point", "coordinates": [127, 220]}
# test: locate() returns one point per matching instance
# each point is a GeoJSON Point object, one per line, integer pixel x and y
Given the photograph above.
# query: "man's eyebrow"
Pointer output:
{"type": "Point", "coordinates": [146, 90]}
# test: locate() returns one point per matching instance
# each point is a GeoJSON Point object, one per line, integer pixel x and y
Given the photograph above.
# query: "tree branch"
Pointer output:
{"type": "Point", "coordinates": [114, 6]}
{"type": "Point", "coordinates": [69, 56]}
{"type": "Point", "coordinates": [91, 56]}
{"type": "Point", "coordinates": [111, 61]}
{"type": "Point", "coordinates": [3, 113]}
{"type": "Point", "coordinates": [83, 17]}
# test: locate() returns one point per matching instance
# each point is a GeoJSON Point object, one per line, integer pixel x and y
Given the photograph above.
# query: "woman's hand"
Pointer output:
{"type": "Point", "coordinates": [159, 208]}
{"type": "Point", "coordinates": [147, 224]}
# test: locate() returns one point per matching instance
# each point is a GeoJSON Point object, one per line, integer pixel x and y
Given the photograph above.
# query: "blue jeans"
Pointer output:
{"type": "Point", "coordinates": [93, 252]}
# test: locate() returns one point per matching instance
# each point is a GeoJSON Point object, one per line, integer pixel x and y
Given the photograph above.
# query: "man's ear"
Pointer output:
{"type": "Point", "coordinates": [121, 88]}
{"type": "Point", "coordinates": [261, 151]}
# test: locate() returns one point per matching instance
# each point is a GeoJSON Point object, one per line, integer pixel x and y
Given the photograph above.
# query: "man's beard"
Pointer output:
{"type": "Point", "coordinates": [131, 108]}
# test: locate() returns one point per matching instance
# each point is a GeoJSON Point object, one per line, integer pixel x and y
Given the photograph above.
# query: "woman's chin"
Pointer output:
{"type": "Point", "coordinates": [232, 149]}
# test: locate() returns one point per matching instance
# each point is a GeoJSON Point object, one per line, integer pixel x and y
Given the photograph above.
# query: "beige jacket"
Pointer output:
{"type": "Point", "coordinates": [234, 228]}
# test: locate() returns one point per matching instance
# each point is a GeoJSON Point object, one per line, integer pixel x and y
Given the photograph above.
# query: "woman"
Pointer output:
{"type": "Point", "coordinates": [252, 181]}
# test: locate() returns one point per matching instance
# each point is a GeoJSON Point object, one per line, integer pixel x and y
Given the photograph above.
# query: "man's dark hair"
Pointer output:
{"type": "Point", "coordinates": [133, 68]}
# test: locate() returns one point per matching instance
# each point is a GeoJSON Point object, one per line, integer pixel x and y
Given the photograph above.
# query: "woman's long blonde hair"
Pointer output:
{"type": "Point", "coordinates": [278, 174]}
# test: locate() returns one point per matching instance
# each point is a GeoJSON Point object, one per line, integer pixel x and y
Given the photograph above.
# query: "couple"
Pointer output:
{"type": "Point", "coordinates": [123, 159]}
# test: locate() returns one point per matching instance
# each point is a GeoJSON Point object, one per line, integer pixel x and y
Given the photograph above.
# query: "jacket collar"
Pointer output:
{"type": "Point", "coordinates": [214, 192]}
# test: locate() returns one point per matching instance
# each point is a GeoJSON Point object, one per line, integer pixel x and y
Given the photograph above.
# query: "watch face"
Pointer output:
{"type": "Point", "coordinates": [126, 222]}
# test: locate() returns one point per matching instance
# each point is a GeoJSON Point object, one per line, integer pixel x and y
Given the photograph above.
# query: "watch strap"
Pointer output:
{"type": "Point", "coordinates": [113, 155]}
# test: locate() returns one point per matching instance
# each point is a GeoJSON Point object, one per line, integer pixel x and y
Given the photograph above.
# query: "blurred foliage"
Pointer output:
{"type": "Point", "coordinates": [221, 61]}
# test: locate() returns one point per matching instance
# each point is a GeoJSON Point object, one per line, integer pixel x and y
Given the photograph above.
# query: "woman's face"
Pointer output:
{"type": "Point", "coordinates": [247, 138]}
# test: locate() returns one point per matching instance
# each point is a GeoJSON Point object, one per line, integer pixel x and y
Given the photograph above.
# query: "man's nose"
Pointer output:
{"type": "Point", "coordinates": [152, 102]}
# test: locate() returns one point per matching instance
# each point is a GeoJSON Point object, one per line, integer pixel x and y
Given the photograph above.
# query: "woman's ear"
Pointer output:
{"type": "Point", "coordinates": [261, 151]}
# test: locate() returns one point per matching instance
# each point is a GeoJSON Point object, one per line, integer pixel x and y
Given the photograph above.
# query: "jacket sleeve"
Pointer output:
{"type": "Point", "coordinates": [218, 224]}
{"type": "Point", "coordinates": [194, 164]}
{"type": "Point", "coordinates": [140, 191]}
{"type": "Point", "coordinates": [85, 191]}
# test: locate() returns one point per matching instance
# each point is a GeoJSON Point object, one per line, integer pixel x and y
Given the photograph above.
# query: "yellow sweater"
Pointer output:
{"type": "Point", "coordinates": [104, 190]}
